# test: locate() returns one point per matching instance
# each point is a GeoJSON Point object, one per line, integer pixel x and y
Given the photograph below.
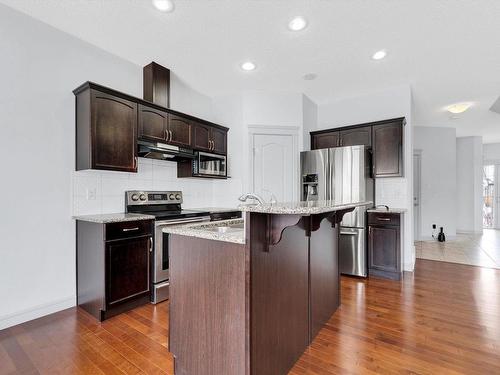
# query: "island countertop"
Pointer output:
{"type": "Point", "coordinates": [234, 232]}
{"type": "Point", "coordinates": [300, 208]}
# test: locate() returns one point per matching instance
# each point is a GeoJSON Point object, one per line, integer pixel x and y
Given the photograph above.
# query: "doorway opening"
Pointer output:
{"type": "Point", "coordinates": [489, 196]}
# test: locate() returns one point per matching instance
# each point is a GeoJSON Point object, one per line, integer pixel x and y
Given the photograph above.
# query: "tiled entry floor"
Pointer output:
{"type": "Point", "coordinates": [474, 249]}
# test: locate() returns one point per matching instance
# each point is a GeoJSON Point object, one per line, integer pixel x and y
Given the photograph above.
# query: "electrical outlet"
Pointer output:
{"type": "Point", "coordinates": [91, 194]}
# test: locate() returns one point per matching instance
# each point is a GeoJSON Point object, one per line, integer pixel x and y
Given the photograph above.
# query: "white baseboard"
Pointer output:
{"type": "Point", "coordinates": [469, 231]}
{"type": "Point", "coordinates": [35, 312]}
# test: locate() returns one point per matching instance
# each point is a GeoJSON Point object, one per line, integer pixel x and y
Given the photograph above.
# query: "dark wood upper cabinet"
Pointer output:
{"type": "Point", "coordinates": [106, 134]}
{"type": "Point", "coordinates": [219, 140]}
{"type": "Point", "coordinates": [181, 130]}
{"type": "Point", "coordinates": [356, 136]}
{"type": "Point", "coordinates": [153, 124]}
{"type": "Point", "coordinates": [325, 140]}
{"type": "Point", "coordinates": [109, 123]}
{"type": "Point", "coordinates": [384, 137]}
{"type": "Point", "coordinates": [388, 150]}
{"type": "Point", "coordinates": [201, 137]}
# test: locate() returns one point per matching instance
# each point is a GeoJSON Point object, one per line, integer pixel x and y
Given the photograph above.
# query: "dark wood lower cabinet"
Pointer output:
{"type": "Point", "coordinates": [112, 269]}
{"type": "Point", "coordinates": [384, 245]}
{"type": "Point", "coordinates": [127, 269]}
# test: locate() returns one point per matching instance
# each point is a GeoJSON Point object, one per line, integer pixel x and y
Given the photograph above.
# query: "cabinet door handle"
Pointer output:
{"type": "Point", "coordinates": [383, 218]}
{"type": "Point", "coordinates": [150, 244]}
{"type": "Point", "coordinates": [167, 135]}
{"type": "Point", "coordinates": [171, 135]}
{"type": "Point", "coordinates": [135, 162]}
{"type": "Point", "coordinates": [130, 229]}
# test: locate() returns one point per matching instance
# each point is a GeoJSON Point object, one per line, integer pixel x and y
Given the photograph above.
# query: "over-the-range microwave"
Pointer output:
{"type": "Point", "coordinates": [209, 165]}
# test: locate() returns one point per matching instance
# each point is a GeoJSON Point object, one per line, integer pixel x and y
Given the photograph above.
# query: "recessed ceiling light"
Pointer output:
{"type": "Point", "coordinates": [379, 55]}
{"type": "Point", "coordinates": [298, 23]}
{"type": "Point", "coordinates": [310, 76]}
{"type": "Point", "coordinates": [166, 6]}
{"type": "Point", "coordinates": [458, 107]}
{"type": "Point", "coordinates": [248, 65]}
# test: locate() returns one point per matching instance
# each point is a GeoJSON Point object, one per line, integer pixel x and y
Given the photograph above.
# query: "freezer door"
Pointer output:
{"type": "Point", "coordinates": [314, 175]}
{"type": "Point", "coordinates": [353, 255]}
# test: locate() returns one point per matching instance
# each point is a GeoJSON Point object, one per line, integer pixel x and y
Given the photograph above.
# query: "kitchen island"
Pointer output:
{"type": "Point", "coordinates": [247, 297]}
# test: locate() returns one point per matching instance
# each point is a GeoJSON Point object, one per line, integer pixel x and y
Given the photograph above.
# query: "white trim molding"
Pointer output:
{"type": "Point", "coordinates": [35, 312]}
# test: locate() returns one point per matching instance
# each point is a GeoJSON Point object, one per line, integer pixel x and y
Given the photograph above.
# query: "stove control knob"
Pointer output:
{"type": "Point", "coordinates": [135, 197]}
{"type": "Point", "coordinates": [178, 197]}
{"type": "Point", "coordinates": [171, 197]}
{"type": "Point", "coordinates": [142, 197]}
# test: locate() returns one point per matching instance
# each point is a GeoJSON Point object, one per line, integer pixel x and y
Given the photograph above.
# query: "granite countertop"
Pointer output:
{"type": "Point", "coordinates": [390, 210]}
{"type": "Point", "coordinates": [113, 218]}
{"type": "Point", "coordinates": [300, 208]}
{"type": "Point", "coordinates": [208, 230]}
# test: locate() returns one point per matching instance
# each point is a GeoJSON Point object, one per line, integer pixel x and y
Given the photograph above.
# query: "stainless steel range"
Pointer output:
{"type": "Point", "coordinates": [165, 206]}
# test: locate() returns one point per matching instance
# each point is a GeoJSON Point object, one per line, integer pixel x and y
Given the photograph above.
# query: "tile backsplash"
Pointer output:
{"type": "Point", "coordinates": [97, 192]}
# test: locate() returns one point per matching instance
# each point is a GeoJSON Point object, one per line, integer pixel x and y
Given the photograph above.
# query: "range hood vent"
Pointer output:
{"type": "Point", "coordinates": [162, 151]}
{"type": "Point", "coordinates": [156, 84]}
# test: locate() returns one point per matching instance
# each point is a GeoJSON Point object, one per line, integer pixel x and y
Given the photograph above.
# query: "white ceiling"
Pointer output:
{"type": "Point", "coordinates": [447, 50]}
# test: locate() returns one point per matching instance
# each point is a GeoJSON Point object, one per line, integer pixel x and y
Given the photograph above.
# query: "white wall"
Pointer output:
{"type": "Point", "coordinates": [39, 69]}
{"type": "Point", "coordinates": [469, 184]}
{"type": "Point", "coordinates": [438, 179]}
{"type": "Point", "coordinates": [310, 121]}
{"type": "Point", "coordinates": [252, 109]}
{"type": "Point", "coordinates": [382, 105]}
{"type": "Point", "coordinates": [491, 153]}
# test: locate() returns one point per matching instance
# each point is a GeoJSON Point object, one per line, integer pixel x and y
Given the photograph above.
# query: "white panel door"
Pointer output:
{"type": "Point", "coordinates": [273, 166]}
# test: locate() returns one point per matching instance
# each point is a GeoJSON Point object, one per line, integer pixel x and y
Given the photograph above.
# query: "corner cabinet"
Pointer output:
{"type": "Point", "coordinates": [106, 132]}
{"type": "Point", "coordinates": [384, 245]}
{"type": "Point", "coordinates": [384, 137]}
{"type": "Point", "coordinates": [113, 266]}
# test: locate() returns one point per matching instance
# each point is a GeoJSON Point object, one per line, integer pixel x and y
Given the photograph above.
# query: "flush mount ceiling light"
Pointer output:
{"type": "Point", "coordinates": [248, 66]}
{"type": "Point", "coordinates": [165, 6]}
{"type": "Point", "coordinates": [297, 23]}
{"type": "Point", "coordinates": [379, 55]}
{"type": "Point", "coordinates": [458, 108]}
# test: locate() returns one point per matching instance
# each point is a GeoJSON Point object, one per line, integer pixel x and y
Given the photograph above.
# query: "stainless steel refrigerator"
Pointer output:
{"type": "Point", "coordinates": [342, 175]}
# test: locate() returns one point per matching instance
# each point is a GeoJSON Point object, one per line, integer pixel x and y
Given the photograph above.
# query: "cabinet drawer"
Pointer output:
{"type": "Point", "coordinates": [383, 218]}
{"type": "Point", "coordinates": [126, 229]}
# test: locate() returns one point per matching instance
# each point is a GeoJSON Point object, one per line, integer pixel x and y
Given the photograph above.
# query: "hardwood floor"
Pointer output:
{"type": "Point", "coordinates": [443, 319]}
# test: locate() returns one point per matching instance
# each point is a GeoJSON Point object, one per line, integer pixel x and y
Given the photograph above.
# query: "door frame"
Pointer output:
{"type": "Point", "coordinates": [292, 131]}
{"type": "Point", "coordinates": [417, 212]}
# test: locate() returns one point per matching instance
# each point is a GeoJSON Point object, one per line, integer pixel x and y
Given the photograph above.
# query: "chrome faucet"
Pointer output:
{"type": "Point", "coordinates": [246, 196]}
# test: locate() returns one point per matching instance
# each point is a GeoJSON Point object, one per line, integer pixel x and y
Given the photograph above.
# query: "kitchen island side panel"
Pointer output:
{"type": "Point", "coordinates": [324, 274]}
{"type": "Point", "coordinates": [208, 326]}
{"type": "Point", "coordinates": [279, 297]}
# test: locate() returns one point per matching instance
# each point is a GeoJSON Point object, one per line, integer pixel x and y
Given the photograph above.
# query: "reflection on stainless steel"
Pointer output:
{"type": "Point", "coordinates": [342, 175]}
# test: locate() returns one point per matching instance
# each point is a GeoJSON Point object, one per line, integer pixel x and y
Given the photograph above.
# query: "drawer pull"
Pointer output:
{"type": "Point", "coordinates": [383, 219]}
{"type": "Point", "coordinates": [130, 229]}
